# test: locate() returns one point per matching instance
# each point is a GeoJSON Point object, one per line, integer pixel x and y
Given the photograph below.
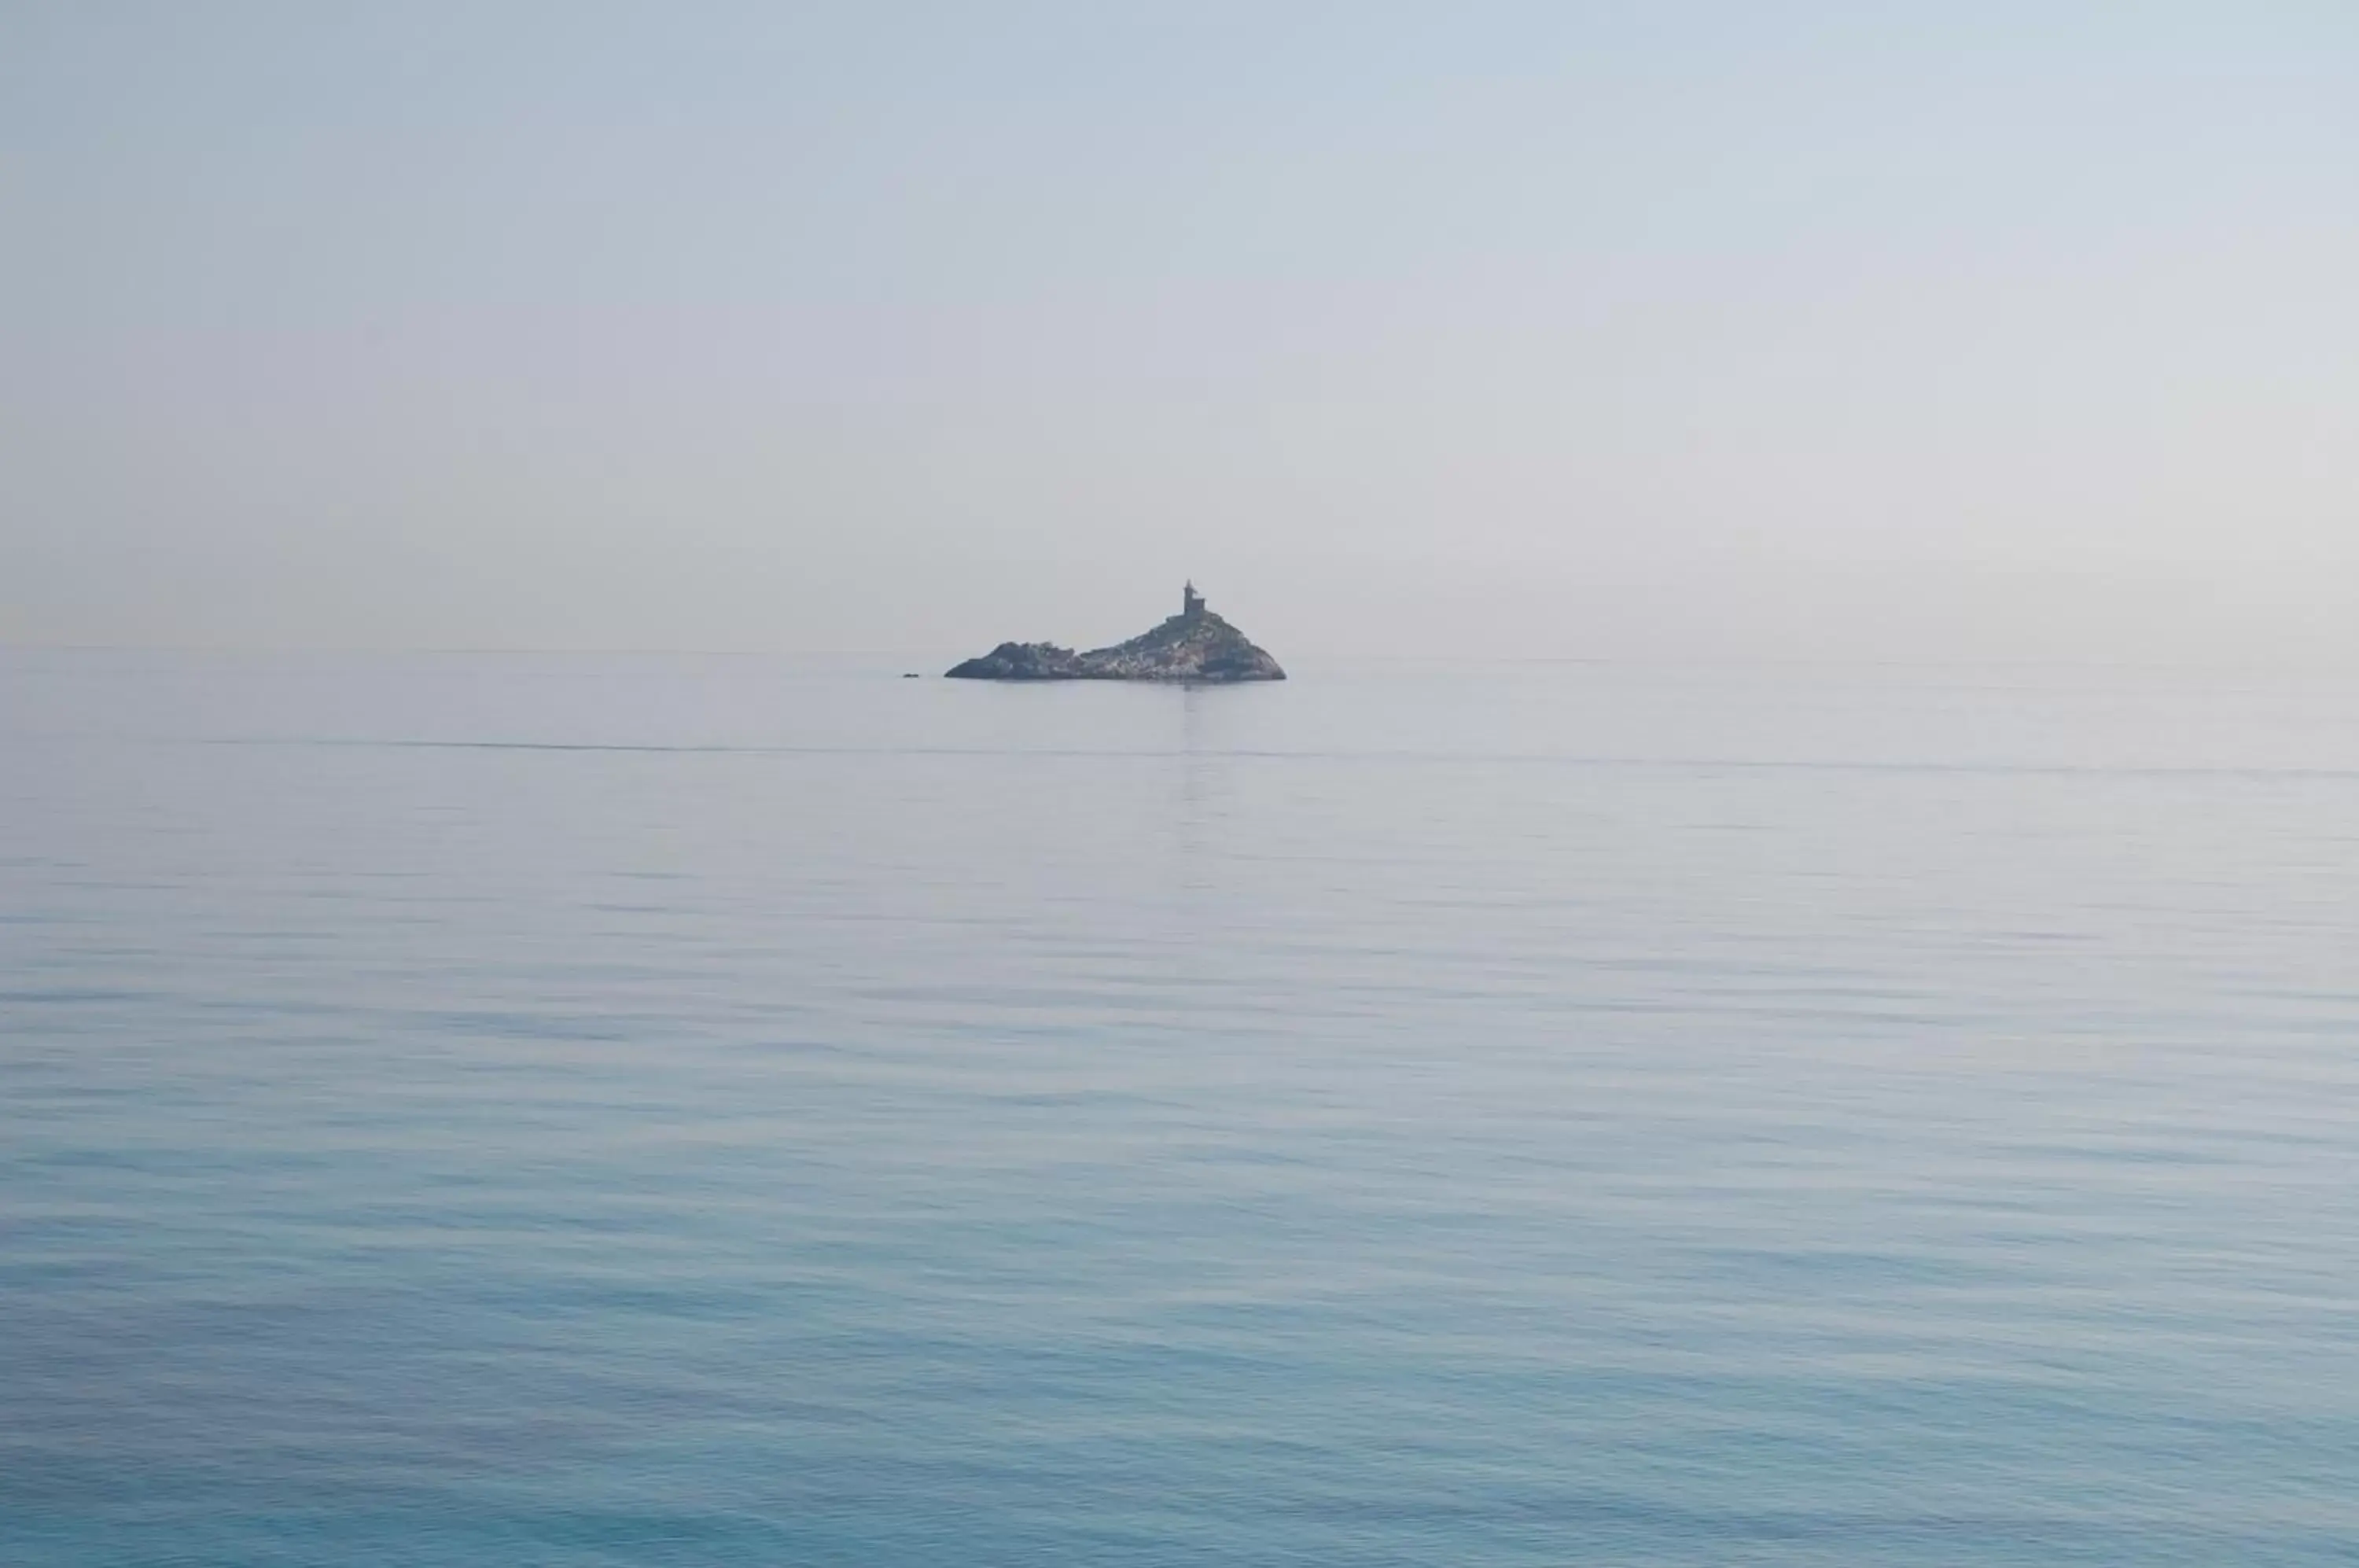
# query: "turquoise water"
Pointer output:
{"type": "Point", "coordinates": [472, 1110]}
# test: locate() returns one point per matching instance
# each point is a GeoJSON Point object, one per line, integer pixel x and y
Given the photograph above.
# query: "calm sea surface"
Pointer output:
{"type": "Point", "coordinates": [471, 1110]}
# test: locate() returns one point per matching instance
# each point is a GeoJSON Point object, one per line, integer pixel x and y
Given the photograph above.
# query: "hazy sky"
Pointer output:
{"type": "Point", "coordinates": [1801, 329]}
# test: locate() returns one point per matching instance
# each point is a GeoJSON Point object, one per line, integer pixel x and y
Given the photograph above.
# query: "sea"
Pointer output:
{"type": "Point", "coordinates": [469, 1109]}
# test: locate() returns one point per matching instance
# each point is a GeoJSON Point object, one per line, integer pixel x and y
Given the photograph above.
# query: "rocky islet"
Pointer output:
{"type": "Point", "coordinates": [1194, 645]}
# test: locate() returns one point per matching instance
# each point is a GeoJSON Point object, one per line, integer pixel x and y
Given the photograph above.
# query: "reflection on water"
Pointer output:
{"type": "Point", "coordinates": [594, 1111]}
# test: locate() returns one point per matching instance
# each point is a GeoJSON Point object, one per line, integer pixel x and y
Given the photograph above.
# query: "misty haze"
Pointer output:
{"type": "Point", "coordinates": [1498, 785]}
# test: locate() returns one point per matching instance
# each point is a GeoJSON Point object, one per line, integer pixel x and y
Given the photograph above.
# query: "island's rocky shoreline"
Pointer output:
{"type": "Point", "coordinates": [1194, 645]}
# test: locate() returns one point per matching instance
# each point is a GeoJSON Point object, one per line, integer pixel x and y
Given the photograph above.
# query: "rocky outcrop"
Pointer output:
{"type": "Point", "coordinates": [1022, 661]}
{"type": "Point", "coordinates": [1193, 645]}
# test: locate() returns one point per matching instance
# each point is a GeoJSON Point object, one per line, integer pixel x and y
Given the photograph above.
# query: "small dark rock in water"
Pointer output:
{"type": "Point", "coordinates": [1194, 645]}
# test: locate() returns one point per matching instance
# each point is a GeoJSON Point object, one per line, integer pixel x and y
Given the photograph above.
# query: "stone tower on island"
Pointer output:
{"type": "Point", "coordinates": [1193, 647]}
